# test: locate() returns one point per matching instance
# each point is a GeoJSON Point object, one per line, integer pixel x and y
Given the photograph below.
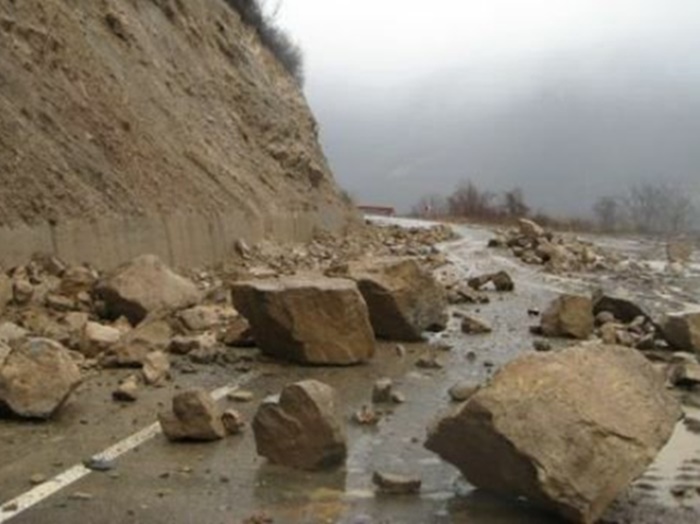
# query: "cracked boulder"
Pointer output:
{"type": "Point", "coordinates": [404, 300]}
{"type": "Point", "coordinates": [569, 430]}
{"type": "Point", "coordinates": [37, 377]}
{"type": "Point", "coordinates": [302, 429]}
{"type": "Point", "coordinates": [307, 320]}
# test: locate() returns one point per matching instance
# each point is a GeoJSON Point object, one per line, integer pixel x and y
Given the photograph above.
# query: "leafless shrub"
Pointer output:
{"type": "Point", "coordinates": [272, 36]}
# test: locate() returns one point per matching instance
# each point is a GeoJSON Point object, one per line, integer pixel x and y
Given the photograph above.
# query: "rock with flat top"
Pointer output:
{"type": "Point", "coordinates": [568, 430]}
{"type": "Point", "coordinates": [303, 429]}
{"type": "Point", "coordinates": [307, 320]}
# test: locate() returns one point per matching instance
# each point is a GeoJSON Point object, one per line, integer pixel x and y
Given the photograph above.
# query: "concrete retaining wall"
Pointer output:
{"type": "Point", "coordinates": [181, 239]}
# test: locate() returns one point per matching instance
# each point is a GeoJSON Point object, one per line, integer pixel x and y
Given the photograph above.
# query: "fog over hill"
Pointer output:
{"type": "Point", "coordinates": [569, 119]}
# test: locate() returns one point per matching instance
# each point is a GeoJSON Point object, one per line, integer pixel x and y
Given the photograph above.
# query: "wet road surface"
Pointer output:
{"type": "Point", "coordinates": [225, 482]}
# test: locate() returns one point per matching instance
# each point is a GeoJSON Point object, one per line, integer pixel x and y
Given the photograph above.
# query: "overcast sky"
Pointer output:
{"type": "Point", "coordinates": [569, 99]}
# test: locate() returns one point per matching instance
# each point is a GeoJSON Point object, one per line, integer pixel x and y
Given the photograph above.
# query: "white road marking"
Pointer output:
{"type": "Point", "coordinates": [23, 502]}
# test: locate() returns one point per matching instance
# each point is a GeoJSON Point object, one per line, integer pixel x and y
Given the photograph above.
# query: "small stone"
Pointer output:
{"type": "Point", "coordinates": [397, 397]}
{"type": "Point", "coordinates": [381, 392]}
{"type": "Point", "coordinates": [81, 495]}
{"type": "Point", "coordinates": [541, 345]}
{"type": "Point", "coordinates": [127, 390]}
{"type": "Point", "coordinates": [37, 479]}
{"type": "Point", "coordinates": [366, 416]}
{"type": "Point", "coordinates": [400, 350]}
{"type": "Point", "coordinates": [241, 395]}
{"type": "Point", "coordinates": [474, 326]}
{"type": "Point", "coordinates": [156, 367]}
{"type": "Point", "coordinates": [461, 391]}
{"type": "Point", "coordinates": [391, 483]}
{"type": "Point", "coordinates": [429, 361]}
{"type": "Point", "coordinates": [99, 464]}
{"type": "Point", "coordinates": [233, 421]}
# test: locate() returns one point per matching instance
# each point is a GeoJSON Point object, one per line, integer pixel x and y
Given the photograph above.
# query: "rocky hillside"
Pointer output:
{"type": "Point", "coordinates": [156, 126]}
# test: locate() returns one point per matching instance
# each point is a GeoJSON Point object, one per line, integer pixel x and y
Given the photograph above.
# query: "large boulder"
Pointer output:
{"type": "Point", "coordinates": [404, 300]}
{"type": "Point", "coordinates": [682, 331]}
{"type": "Point", "coordinates": [308, 320]}
{"type": "Point", "coordinates": [303, 429]}
{"type": "Point", "coordinates": [568, 316]}
{"type": "Point", "coordinates": [143, 286]}
{"type": "Point", "coordinates": [195, 416]}
{"type": "Point", "coordinates": [37, 377]}
{"type": "Point", "coordinates": [567, 430]}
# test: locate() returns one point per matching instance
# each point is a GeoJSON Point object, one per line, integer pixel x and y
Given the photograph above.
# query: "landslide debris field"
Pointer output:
{"type": "Point", "coordinates": [382, 376]}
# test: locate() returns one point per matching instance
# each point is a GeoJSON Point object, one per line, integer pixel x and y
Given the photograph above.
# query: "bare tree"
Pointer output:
{"type": "Point", "coordinates": [468, 201]}
{"type": "Point", "coordinates": [658, 208]}
{"type": "Point", "coordinates": [430, 206]}
{"type": "Point", "coordinates": [514, 203]}
{"type": "Point", "coordinates": [608, 213]}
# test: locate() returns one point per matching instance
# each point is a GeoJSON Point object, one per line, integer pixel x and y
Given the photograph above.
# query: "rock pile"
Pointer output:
{"type": "Point", "coordinates": [533, 244]}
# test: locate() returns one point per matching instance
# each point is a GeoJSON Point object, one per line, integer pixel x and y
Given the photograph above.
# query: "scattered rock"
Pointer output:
{"type": "Point", "coordinates": [132, 348]}
{"type": "Point", "coordinates": [145, 285]}
{"type": "Point", "coordinates": [429, 361]}
{"type": "Point", "coordinates": [546, 428]}
{"type": "Point", "coordinates": [127, 390]}
{"type": "Point", "coordinates": [6, 292]}
{"type": "Point", "coordinates": [37, 377]}
{"type": "Point", "coordinates": [241, 395]}
{"type": "Point", "coordinates": [11, 332]}
{"type": "Point", "coordinates": [303, 429]}
{"type": "Point", "coordinates": [97, 338]}
{"type": "Point", "coordinates": [202, 317]}
{"type": "Point", "coordinates": [100, 464]}
{"type": "Point", "coordinates": [381, 392]}
{"type": "Point", "coordinates": [311, 321]}
{"type": "Point", "coordinates": [238, 334]}
{"type": "Point", "coordinates": [682, 331]}
{"type": "Point", "coordinates": [541, 345]}
{"type": "Point", "coordinates": [195, 416]}
{"type": "Point", "coordinates": [501, 281]}
{"type": "Point", "coordinates": [404, 300]}
{"type": "Point", "coordinates": [474, 326]}
{"type": "Point", "coordinates": [568, 316]}
{"type": "Point", "coordinates": [156, 367]}
{"type": "Point", "coordinates": [394, 484]}
{"type": "Point", "coordinates": [22, 291]}
{"type": "Point", "coordinates": [37, 478]}
{"type": "Point", "coordinates": [461, 391]}
{"type": "Point", "coordinates": [366, 416]}
{"type": "Point", "coordinates": [233, 421]}
{"type": "Point", "coordinates": [685, 374]}
{"type": "Point", "coordinates": [530, 229]}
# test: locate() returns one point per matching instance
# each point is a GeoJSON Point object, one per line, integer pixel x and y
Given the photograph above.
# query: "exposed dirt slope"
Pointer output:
{"type": "Point", "coordinates": [114, 109]}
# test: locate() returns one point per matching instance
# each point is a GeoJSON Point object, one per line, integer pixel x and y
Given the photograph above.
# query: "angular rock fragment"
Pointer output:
{"type": "Point", "coordinates": [311, 321]}
{"type": "Point", "coordinates": [530, 229]}
{"type": "Point", "coordinates": [145, 285]}
{"type": "Point", "coordinates": [382, 389]}
{"type": "Point", "coordinates": [233, 421]}
{"type": "Point", "coordinates": [303, 429]}
{"type": "Point", "coordinates": [156, 368]}
{"type": "Point", "coordinates": [501, 281]}
{"type": "Point", "coordinates": [6, 292]}
{"type": "Point", "coordinates": [97, 338]}
{"type": "Point", "coordinates": [238, 334]}
{"type": "Point", "coordinates": [474, 326]}
{"type": "Point", "coordinates": [394, 484]}
{"type": "Point", "coordinates": [195, 416]}
{"type": "Point", "coordinates": [132, 348]}
{"type": "Point", "coordinates": [567, 430]}
{"type": "Point", "coordinates": [403, 299]}
{"type": "Point", "coordinates": [37, 377]}
{"type": "Point", "coordinates": [682, 331]}
{"type": "Point", "coordinates": [568, 316]}
{"type": "Point", "coordinates": [127, 391]}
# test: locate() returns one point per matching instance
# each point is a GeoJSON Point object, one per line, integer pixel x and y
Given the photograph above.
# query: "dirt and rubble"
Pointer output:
{"type": "Point", "coordinates": [164, 351]}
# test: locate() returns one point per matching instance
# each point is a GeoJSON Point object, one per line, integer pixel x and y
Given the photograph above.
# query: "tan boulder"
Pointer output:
{"type": "Point", "coordinates": [143, 286]}
{"type": "Point", "coordinates": [568, 430]}
{"type": "Point", "coordinates": [132, 348]}
{"type": "Point", "coordinates": [568, 316]}
{"type": "Point", "coordinates": [530, 229]}
{"type": "Point", "coordinates": [156, 368]}
{"type": "Point", "coordinates": [682, 331]}
{"type": "Point", "coordinates": [404, 300]}
{"type": "Point", "coordinates": [97, 338]}
{"type": "Point", "coordinates": [308, 320]}
{"type": "Point", "coordinates": [304, 429]}
{"type": "Point", "coordinates": [37, 377]}
{"type": "Point", "coordinates": [195, 416]}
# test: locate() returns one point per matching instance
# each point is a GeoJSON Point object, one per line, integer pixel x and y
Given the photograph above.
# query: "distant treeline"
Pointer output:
{"type": "Point", "coordinates": [645, 208]}
{"type": "Point", "coordinates": [272, 36]}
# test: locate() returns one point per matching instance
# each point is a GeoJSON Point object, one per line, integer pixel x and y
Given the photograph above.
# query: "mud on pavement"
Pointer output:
{"type": "Point", "coordinates": [226, 481]}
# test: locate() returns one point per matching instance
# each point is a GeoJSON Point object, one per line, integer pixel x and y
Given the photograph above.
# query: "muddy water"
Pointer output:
{"type": "Point", "coordinates": [226, 481]}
